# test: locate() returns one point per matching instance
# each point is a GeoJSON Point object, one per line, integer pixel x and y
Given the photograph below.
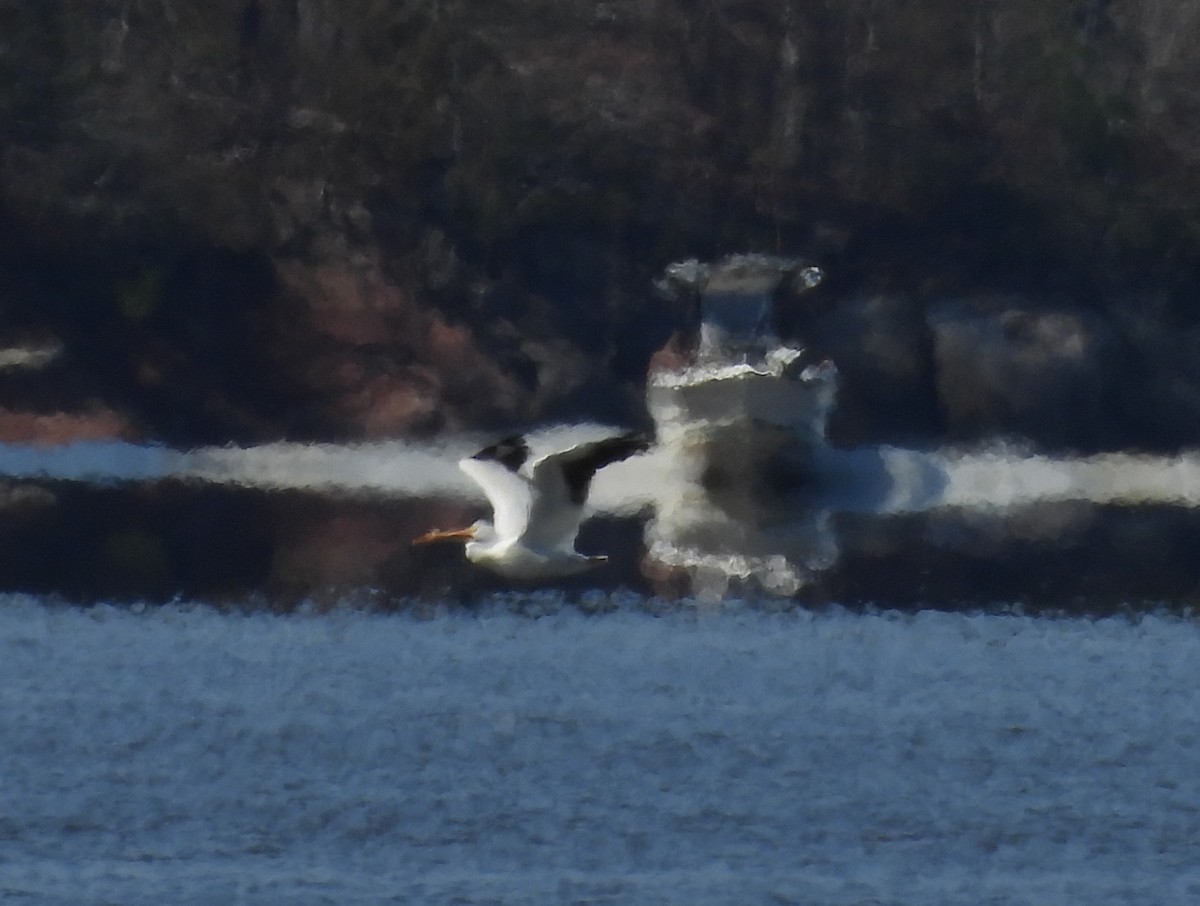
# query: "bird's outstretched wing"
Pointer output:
{"type": "Point", "coordinates": [496, 470]}
{"type": "Point", "coordinates": [560, 483]}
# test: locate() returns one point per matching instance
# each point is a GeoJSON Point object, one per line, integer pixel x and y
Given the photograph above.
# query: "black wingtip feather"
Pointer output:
{"type": "Point", "coordinates": [578, 472]}
{"type": "Point", "coordinates": [511, 452]}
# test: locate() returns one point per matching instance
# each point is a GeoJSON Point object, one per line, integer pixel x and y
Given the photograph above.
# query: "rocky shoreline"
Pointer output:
{"type": "Point", "coordinates": [257, 219]}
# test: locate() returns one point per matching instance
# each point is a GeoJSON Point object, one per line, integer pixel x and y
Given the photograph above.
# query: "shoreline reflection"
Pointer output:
{"type": "Point", "coordinates": [890, 526]}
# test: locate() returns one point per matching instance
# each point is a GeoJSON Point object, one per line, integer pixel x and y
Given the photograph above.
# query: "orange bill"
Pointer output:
{"type": "Point", "coordinates": [462, 534]}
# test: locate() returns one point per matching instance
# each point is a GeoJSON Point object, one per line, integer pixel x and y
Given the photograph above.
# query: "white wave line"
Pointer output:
{"type": "Point", "coordinates": [1123, 478]}
{"type": "Point", "coordinates": [913, 480]}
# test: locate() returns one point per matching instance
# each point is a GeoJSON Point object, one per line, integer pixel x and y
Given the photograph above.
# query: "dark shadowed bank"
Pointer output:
{"type": "Point", "coordinates": [246, 219]}
{"type": "Point", "coordinates": [246, 549]}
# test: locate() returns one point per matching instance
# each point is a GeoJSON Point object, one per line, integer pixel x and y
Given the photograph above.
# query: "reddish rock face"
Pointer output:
{"type": "Point", "coordinates": [375, 364]}
{"type": "Point", "coordinates": [344, 306]}
{"type": "Point", "coordinates": [50, 428]}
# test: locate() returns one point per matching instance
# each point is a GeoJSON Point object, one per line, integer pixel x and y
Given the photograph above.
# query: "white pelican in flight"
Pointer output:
{"type": "Point", "coordinates": [537, 507]}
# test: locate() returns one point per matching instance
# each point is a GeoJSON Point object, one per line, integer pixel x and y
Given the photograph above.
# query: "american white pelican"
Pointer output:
{"type": "Point", "coordinates": [537, 508]}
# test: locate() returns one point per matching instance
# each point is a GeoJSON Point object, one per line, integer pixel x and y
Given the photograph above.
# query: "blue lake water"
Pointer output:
{"type": "Point", "coordinates": [711, 755]}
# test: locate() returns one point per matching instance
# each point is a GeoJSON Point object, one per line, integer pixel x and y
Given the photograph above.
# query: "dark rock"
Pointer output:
{"type": "Point", "coordinates": [884, 354]}
{"type": "Point", "coordinates": [1006, 366]}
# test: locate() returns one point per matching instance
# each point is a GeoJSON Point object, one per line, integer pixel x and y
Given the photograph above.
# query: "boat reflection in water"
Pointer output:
{"type": "Point", "coordinates": [741, 427]}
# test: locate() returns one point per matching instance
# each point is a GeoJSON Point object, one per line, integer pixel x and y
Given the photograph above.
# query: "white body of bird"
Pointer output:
{"type": "Point", "coordinates": [537, 507]}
